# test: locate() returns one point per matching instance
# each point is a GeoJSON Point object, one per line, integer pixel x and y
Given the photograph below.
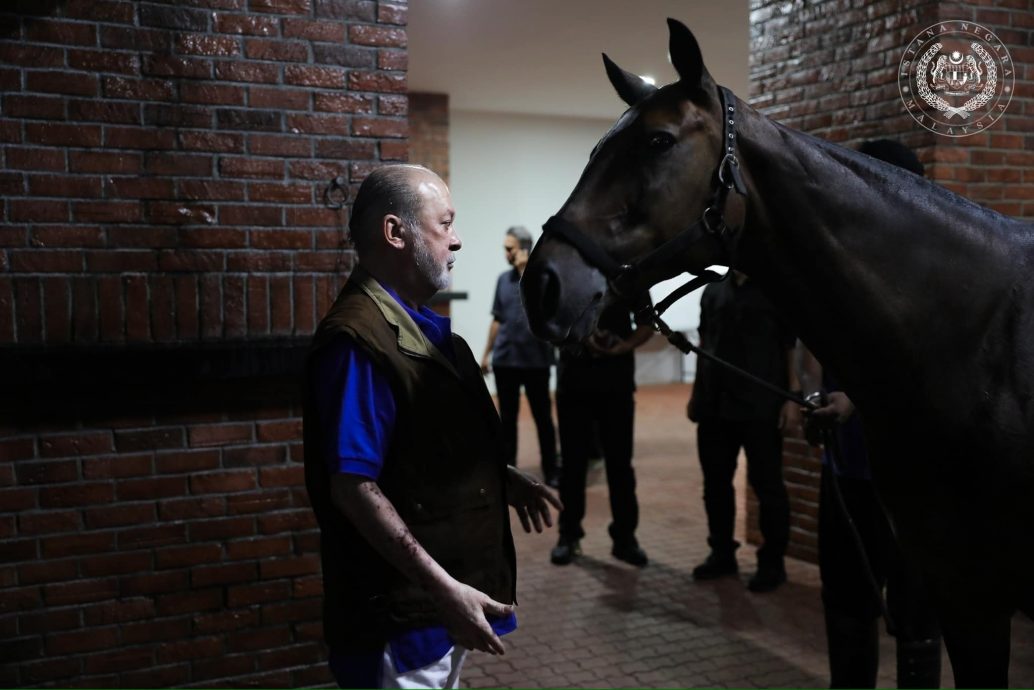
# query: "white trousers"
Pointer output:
{"type": "Point", "coordinates": [444, 673]}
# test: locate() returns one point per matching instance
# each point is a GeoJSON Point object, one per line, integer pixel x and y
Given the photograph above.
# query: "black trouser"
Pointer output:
{"type": "Point", "coordinates": [508, 382]}
{"type": "Point", "coordinates": [851, 602]}
{"type": "Point", "coordinates": [719, 443]}
{"type": "Point", "coordinates": [614, 414]}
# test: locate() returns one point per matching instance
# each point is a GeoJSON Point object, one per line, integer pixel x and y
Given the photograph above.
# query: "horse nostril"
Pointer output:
{"type": "Point", "coordinates": [549, 293]}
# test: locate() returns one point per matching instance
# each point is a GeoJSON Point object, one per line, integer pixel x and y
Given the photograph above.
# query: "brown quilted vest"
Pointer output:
{"type": "Point", "coordinates": [444, 474]}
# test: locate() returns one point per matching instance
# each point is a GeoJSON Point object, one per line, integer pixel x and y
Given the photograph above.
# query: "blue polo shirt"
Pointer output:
{"type": "Point", "coordinates": [359, 409]}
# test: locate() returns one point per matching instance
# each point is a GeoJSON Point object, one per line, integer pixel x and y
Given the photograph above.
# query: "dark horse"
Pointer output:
{"type": "Point", "coordinates": [917, 300]}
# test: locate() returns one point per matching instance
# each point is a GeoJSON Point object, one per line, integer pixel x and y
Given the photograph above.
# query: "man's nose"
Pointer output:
{"type": "Point", "coordinates": [454, 241]}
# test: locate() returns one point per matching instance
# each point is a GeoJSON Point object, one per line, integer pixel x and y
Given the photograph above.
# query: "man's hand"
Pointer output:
{"type": "Point", "coordinates": [464, 610]}
{"type": "Point", "coordinates": [486, 363]}
{"type": "Point", "coordinates": [531, 499]}
{"type": "Point", "coordinates": [838, 407]}
{"type": "Point", "coordinates": [837, 410]}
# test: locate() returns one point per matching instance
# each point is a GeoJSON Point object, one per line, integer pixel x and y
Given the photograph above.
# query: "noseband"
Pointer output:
{"type": "Point", "coordinates": [626, 280]}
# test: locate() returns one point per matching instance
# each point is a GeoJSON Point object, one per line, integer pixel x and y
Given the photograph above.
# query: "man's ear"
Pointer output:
{"type": "Point", "coordinates": [393, 230]}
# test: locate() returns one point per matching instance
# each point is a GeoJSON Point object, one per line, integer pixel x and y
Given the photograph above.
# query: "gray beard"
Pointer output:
{"type": "Point", "coordinates": [437, 276]}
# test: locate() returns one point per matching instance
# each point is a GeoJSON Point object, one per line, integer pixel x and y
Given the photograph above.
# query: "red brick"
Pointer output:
{"type": "Point", "coordinates": [34, 159]}
{"type": "Point", "coordinates": [346, 149]}
{"type": "Point", "coordinates": [50, 570]}
{"type": "Point", "coordinates": [255, 72]}
{"type": "Point", "coordinates": [85, 443]}
{"type": "Point", "coordinates": [151, 536]}
{"type": "Point", "coordinates": [77, 544]}
{"type": "Point", "coordinates": [245, 24]}
{"type": "Point", "coordinates": [205, 190]}
{"type": "Point", "coordinates": [146, 138]}
{"type": "Point", "coordinates": [281, 98]}
{"type": "Point", "coordinates": [61, 185]}
{"type": "Point", "coordinates": [279, 145]}
{"type": "Point", "coordinates": [271, 569]}
{"type": "Point", "coordinates": [392, 60]}
{"type": "Point", "coordinates": [119, 515]}
{"type": "Point", "coordinates": [151, 488]}
{"type": "Point", "coordinates": [211, 93]}
{"type": "Point", "coordinates": [222, 574]}
{"type": "Point", "coordinates": [68, 33]}
{"type": "Point", "coordinates": [316, 170]}
{"type": "Point", "coordinates": [31, 55]}
{"type": "Point", "coordinates": [39, 107]}
{"type": "Point", "coordinates": [63, 643]}
{"type": "Point", "coordinates": [391, 14]}
{"type": "Point", "coordinates": [98, 565]}
{"type": "Point", "coordinates": [323, 77]}
{"type": "Point", "coordinates": [174, 66]}
{"type": "Point", "coordinates": [251, 215]}
{"type": "Point", "coordinates": [48, 522]}
{"type": "Point", "coordinates": [68, 235]}
{"type": "Point", "coordinates": [153, 583]}
{"type": "Point", "coordinates": [318, 124]}
{"type": "Point", "coordinates": [45, 261]}
{"type": "Point", "coordinates": [379, 127]}
{"type": "Point", "coordinates": [292, 521]}
{"type": "Point", "coordinates": [221, 530]}
{"type": "Point", "coordinates": [381, 36]}
{"type": "Point", "coordinates": [190, 649]}
{"type": "Point", "coordinates": [191, 508]}
{"type": "Point", "coordinates": [46, 472]}
{"type": "Point", "coordinates": [49, 621]}
{"type": "Point", "coordinates": [88, 136]}
{"type": "Point", "coordinates": [119, 611]}
{"type": "Point", "coordinates": [220, 142]}
{"type": "Point", "coordinates": [104, 61]}
{"type": "Point", "coordinates": [117, 261]}
{"type": "Point", "coordinates": [224, 666]}
{"type": "Point", "coordinates": [250, 167]}
{"type": "Point", "coordinates": [159, 163]}
{"type": "Point", "coordinates": [394, 150]}
{"type": "Point", "coordinates": [343, 102]}
{"type": "Point", "coordinates": [118, 661]}
{"type": "Point", "coordinates": [203, 44]}
{"type": "Point", "coordinates": [116, 466]}
{"type": "Point", "coordinates": [108, 212]}
{"type": "Point", "coordinates": [71, 83]}
{"type": "Point", "coordinates": [181, 213]}
{"type": "Point", "coordinates": [139, 89]}
{"type": "Point", "coordinates": [259, 593]}
{"type": "Point", "coordinates": [189, 602]}
{"type": "Point", "coordinates": [224, 621]}
{"type": "Point", "coordinates": [376, 82]}
{"type": "Point", "coordinates": [104, 162]}
{"type": "Point", "coordinates": [234, 322]}
{"type": "Point", "coordinates": [181, 556]}
{"type": "Point", "coordinates": [326, 31]}
{"type": "Point", "coordinates": [276, 50]}
{"type": "Point", "coordinates": [304, 322]}
{"type": "Point", "coordinates": [222, 482]}
{"type": "Point", "coordinates": [281, 6]}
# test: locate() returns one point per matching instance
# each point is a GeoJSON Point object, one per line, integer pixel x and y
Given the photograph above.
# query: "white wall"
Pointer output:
{"type": "Point", "coordinates": [515, 170]}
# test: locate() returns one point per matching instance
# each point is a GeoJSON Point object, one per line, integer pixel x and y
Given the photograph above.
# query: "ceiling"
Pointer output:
{"type": "Point", "coordinates": [542, 57]}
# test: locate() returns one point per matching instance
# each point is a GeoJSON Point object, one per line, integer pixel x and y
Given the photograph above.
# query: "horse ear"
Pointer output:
{"type": "Point", "coordinates": [684, 53]}
{"type": "Point", "coordinates": [630, 87]}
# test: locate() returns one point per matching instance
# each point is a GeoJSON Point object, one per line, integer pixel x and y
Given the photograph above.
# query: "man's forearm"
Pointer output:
{"type": "Point", "coordinates": [373, 515]}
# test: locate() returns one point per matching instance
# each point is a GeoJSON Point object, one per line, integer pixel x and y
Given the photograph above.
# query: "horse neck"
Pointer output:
{"type": "Point", "coordinates": [874, 265]}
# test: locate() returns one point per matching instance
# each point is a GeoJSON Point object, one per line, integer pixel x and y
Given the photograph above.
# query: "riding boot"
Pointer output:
{"type": "Point", "coordinates": [919, 663]}
{"type": "Point", "coordinates": [853, 650]}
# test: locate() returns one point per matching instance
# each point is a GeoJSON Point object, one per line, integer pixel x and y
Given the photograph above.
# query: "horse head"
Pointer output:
{"type": "Point", "coordinates": [647, 180]}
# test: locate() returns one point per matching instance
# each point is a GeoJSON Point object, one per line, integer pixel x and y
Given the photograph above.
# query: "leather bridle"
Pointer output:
{"type": "Point", "coordinates": [628, 280]}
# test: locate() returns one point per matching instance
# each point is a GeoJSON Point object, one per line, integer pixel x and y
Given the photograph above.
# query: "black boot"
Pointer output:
{"type": "Point", "coordinates": [770, 574]}
{"type": "Point", "coordinates": [854, 653]}
{"type": "Point", "coordinates": [565, 551]}
{"type": "Point", "coordinates": [919, 663]}
{"type": "Point", "coordinates": [720, 562]}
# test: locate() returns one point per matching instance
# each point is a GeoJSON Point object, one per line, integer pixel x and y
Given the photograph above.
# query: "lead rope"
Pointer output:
{"type": "Point", "coordinates": [830, 440]}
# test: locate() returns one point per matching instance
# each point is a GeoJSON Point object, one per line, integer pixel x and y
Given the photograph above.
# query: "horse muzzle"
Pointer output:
{"type": "Point", "coordinates": [562, 295]}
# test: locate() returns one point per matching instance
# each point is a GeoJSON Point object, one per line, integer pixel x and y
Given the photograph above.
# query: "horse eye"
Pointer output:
{"type": "Point", "coordinates": [661, 141]}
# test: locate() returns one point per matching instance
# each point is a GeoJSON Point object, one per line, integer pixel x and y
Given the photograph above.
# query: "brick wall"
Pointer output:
{"type": "Point", "coordinates": [830, 68]}
{"type": "Point", "coordinates": [429, 131]}
{"type": "Point", "coordinates": [165, 251]}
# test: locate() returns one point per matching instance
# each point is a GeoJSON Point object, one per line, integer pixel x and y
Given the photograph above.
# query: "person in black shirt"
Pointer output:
{"type": "Point", "coordinates": [598, 386]}
{"type": "Point", "coordinates": [740, 325]}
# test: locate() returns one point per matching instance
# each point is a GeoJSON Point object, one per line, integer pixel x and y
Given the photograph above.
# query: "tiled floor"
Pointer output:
{"type": "Point", "coordinates": [601, 623]}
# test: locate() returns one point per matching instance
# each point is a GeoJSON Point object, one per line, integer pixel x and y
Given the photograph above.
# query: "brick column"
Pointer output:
{"type": "Point", "coordinates": [830, 68]}
{"type": "Point", "coordinates": [165, 253]}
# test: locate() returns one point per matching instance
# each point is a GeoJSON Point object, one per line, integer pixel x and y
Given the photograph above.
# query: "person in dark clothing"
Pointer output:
{"type": "Point", "coordinates": [850, 600]}
{"type": "Point", "coordinates": [517, 358]}
{"type": "Point", "coordinates": [597, 386]}
{"type": "Point", "coordinates": [740, 325]}
{"type": "Point", "coordinates": [403, 461]}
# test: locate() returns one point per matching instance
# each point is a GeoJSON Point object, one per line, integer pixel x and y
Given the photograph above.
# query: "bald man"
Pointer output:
{"type": "Point", "coordinates": [404, 461]}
